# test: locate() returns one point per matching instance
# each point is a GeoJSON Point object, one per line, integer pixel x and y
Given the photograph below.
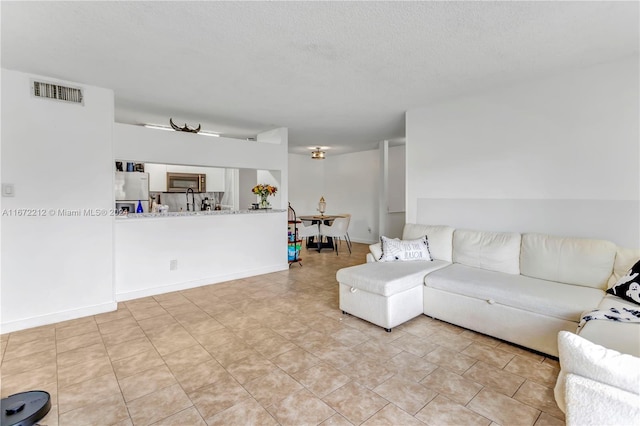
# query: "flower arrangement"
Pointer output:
{"type": "Point", "coordinates": [263, 190]}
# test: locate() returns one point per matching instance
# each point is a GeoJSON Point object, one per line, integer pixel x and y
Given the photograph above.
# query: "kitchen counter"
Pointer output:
{"type": "Point", "coordinates": [198, 213]}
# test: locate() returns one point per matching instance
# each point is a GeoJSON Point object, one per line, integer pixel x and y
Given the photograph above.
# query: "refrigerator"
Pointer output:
{"type": "Point", "coordinates": [131, 187]}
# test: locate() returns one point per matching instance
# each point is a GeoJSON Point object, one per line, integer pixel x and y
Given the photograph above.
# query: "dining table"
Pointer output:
{"type": "Point", "coordinates": [317, 220]}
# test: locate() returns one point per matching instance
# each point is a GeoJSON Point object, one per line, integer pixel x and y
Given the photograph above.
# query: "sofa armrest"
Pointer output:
{"type": "Point", "coordinates": [370, 258]}
{"type": "Point", "coordinates": [580, 357]}
{"type": "Point", "coordinates": [593, 403]}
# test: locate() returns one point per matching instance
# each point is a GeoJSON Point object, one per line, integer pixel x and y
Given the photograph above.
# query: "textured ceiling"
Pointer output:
{"type": "Point", "coordinates": [337, 74]}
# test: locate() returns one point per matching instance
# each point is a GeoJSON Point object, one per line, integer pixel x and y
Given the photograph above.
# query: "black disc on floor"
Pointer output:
{"type": "Point", "coordinates": [25, 408]}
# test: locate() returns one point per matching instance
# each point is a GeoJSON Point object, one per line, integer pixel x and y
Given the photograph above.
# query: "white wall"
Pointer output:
{"type": "Point", "coordinates": [58, 156]}
{"type": "Point", "coordinates": [208, 249]}
{"type": "Point", "coordinates": [392, 190]}
{"type": "Point", "coordinates": [306, 183]}
{"type": "Point", "coordinates": [349, 184]}
{"type": "Point", "coordinates": [352, 187]}
{"type": "Point", "coordinates": [270, 178]}
{"type": "Point", "coordinates": [396, 179]}
{"type": "Point", "coordinates": [572, 136]}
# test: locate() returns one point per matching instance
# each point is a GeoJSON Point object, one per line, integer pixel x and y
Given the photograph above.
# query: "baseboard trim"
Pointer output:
{"type": "Point", "coordinates": [364, 241]}
{"type": "Point", "coordinates": [23, 324]}
{"type": "Point", "coordinates": [185, 285]}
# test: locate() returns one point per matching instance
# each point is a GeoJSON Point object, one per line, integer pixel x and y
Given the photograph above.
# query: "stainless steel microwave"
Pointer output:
{"type": "Point", "coordinates": [180, 182]}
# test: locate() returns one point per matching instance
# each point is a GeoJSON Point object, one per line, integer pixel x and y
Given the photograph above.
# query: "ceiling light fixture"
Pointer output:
{"type": "Point", "coordinates": [158, 127]}
{"type": "Point", "coordinates": [317, 154]}
{"type": "Point", "coordinates": [205, 133]}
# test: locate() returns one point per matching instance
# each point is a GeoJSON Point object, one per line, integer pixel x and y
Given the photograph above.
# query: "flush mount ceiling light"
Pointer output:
{"type": "Point", "coordinates": [317, 153]}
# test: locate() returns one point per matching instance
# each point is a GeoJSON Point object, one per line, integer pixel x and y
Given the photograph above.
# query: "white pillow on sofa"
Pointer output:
{"type": "Point", "coordinates": [440, 239]}
{"type": "Point", "coordinates": [584, 358]}
{"type": "Point", "coordinates": [394, 249]}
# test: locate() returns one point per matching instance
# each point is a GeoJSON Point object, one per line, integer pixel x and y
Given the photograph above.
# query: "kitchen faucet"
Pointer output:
{"type": "Point", "coordinates": [193, 199]}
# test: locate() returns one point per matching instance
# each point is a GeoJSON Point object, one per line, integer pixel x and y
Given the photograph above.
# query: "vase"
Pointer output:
{"type": "Point", "coordinates": [264, 204]}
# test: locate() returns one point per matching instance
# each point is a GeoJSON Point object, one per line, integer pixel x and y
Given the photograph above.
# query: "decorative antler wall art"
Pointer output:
{"type": "Point", "coordinates": [185, 128]}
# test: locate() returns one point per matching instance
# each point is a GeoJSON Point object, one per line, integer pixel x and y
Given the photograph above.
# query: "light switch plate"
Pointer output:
{"type": "Point", "coordinates": [8, 190]}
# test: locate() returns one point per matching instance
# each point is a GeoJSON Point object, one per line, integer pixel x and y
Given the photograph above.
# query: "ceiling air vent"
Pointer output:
{"type": "Point", "coordinates": [55, 91]}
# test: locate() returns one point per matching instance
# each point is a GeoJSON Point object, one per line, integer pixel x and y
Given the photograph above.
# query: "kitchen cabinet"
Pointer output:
{"type": "Point", "coordinates": [215, 179]}
{"type": "Point", "coordinates": [158, 176]}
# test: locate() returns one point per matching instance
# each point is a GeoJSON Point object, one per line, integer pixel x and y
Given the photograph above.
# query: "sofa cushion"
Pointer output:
{"type": "Point", "coordinates": [628, 286]}
{"type": "Point", "coordinates": [387, 278]}
{"type": "Point", "coordinates": [584, 358]}
{"type": "Point", "coordinates": [440, 238]}
{"type": "Point", "coordinates": [622, 337]}
{"type": "Point", "coordinates": [405, 250]}
{"type": "Point", "coordinates": [553, 299]}
{"type": "Point", "coordinates": [578, 261]}
{"type": "Point", "coordinates": [625, 259]}
{"type": "Point", "coordinates": [494, 251]}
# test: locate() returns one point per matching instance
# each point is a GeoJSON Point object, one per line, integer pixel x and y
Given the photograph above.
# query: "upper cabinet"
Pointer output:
{"type": "Point", "coordinates": [158, 176]}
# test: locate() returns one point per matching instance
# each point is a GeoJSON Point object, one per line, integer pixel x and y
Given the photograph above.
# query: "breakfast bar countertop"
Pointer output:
{"type": "Point", "coordinates": [195, 214]}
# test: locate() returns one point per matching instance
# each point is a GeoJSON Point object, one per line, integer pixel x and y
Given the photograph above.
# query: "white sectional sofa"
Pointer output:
{"type": "Point", "coordinates": [522, 288]}
{"type": "Point", "coordinates": [529, 289]}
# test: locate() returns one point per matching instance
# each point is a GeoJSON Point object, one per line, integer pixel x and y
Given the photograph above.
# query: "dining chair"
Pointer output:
{"type": "Point", "coordinates": [306, 231]}
{"type": "Point", "coordinates": [338, 229]}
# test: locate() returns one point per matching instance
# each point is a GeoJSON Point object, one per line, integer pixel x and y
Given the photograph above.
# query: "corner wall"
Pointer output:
{"type": "Point", "coordinates": [349, 184]}
{"type": "Point", "coordinates": [56, 265]}
{"type": "Point", "coordinates": [573, 136]}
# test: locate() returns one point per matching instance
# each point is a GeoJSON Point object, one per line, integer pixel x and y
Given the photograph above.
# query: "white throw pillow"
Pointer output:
{"type": "Point", "coordinates": [376, 251]}
{"type": "Point", "coordinates": [584, 358]}
{"type": "Point", "coordinates": [404, 250]}
{"type": "Point", "coordinates": [440, 239]}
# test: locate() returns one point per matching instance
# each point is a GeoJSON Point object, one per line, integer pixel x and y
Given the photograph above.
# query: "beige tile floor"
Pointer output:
{"type": "Point", "coordinates": [274, 349]}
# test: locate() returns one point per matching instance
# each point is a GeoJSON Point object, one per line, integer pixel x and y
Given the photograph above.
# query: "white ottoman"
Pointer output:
{"type": "Point", "coordinates": [384, 293]}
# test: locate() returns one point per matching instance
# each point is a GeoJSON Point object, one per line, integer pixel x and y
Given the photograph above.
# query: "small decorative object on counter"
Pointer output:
{"type": "Point", "coordinates": [205, 205]}
{"type": "Point", "coordinates": [139, 209]}
{"type": "Point", "coordinates": [263, 191]}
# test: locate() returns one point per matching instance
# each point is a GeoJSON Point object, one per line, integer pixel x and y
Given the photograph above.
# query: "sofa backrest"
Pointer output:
{"type": "Point", "coordinates": [625, 259]}
{"type": "Point", "coordinates": [578, 261]}
{"type": "Point", "coordinates": [494, 251]}
{"type": "Point", "coordinates": [440, 238]}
